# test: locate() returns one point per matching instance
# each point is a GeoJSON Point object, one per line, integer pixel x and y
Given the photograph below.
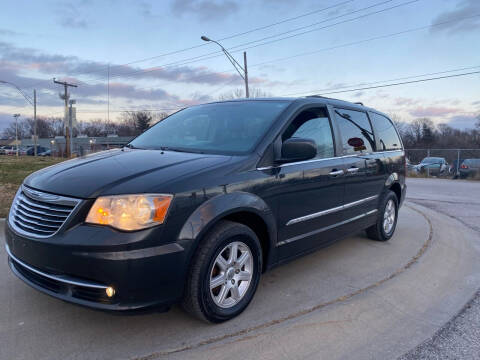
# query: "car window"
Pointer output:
{"type": "Point", "coordinates": [472, 162]}
{"type": "Point", "coordinates": [313, 124]}
{"type": "Point", "coordinates": [387, 135]}
{"type": "Point", "coordinates": [431, 160]}
{"type": "Point", "coordinates": [356, 131]}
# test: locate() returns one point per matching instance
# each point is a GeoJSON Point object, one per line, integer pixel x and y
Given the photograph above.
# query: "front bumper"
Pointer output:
{"type": "Point", "coordinates": [79, 264]}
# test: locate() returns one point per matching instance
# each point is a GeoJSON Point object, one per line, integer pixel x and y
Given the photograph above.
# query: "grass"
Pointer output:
{"type": "Point", "coordinates": [12, 172]}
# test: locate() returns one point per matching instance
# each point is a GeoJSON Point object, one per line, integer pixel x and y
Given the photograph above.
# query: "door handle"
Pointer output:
{"type": "Point", "coordinates": [352, 170]}
{"type": "Point", "coordinates": [336, 172]}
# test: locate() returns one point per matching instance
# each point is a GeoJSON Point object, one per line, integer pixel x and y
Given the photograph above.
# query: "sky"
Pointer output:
{"type": "Point", "coordinates": [138, 55]}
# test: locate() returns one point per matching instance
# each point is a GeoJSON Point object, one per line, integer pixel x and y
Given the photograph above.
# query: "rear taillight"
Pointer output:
{"type": "Point", "coordinates": [464, 166]}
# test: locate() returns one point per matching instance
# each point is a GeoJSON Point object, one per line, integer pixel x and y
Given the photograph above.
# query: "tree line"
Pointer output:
{"type": "Point", "coordinates": [420, 133]}
{"type": "Point", "coordinates": [424, 134]}
{"type": "Point", "coordinates": [129, 123]}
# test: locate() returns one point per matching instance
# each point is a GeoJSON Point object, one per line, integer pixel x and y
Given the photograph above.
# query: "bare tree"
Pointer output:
{"type": "Point", "coordinates": [240, 93]}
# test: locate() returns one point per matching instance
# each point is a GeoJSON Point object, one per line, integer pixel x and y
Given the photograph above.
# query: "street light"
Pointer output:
{"type": "Point", "coordinates": [34, 104]}
{"type": "Point", "coordinates": [244, 72]}
{"type": "Point", "coordinates": [16, 130]}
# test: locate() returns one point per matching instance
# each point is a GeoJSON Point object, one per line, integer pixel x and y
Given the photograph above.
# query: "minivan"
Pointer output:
{"type": "Point", "coordinates": [197, 207]}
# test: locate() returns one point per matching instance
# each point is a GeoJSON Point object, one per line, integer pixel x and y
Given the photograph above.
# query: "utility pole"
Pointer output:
{"type": "Point", "coordinates": [108, 93]}
{"type": "Point", "coordinates": [247, 93]}
{"type": "Point", "coordinates": [34, 122]}
{"type": "Point", "coordinates": [70, 123]}
{"type": "Point", "coordinates": [16, 130]}
{"type": "Point", "coordinates": [65, 97]}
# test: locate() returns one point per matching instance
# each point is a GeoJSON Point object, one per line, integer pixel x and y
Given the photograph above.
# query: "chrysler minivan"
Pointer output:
{"type": "Point", "coordinates": [197, 207]}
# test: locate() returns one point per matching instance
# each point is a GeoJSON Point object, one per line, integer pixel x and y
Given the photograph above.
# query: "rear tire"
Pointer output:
{"type": "Point", "coordinates": [387, 219]}
{"type": "Point", "coordinates": [224, 273]}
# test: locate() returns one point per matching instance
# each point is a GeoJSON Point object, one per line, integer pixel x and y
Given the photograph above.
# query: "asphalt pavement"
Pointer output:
{"type": "Point", "coordinates": [356, 299]}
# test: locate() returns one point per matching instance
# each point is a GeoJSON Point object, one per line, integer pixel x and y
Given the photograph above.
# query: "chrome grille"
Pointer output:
{"type": "Point", "coordinates": [39, 214]}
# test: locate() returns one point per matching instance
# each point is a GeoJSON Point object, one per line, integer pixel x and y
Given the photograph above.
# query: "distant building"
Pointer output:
{"type": "Point", "coordinates": [81, 144]}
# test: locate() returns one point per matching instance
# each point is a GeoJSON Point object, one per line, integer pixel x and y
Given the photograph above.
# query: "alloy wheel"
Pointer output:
{"type": "Point", "coordinates": [231, 274]}
{"type": "Point", "coordinates": [389, 216]}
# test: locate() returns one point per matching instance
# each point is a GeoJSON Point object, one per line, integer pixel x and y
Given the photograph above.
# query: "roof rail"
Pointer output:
{"type": "Point", "coordinates": [318, 96]}
{"type": "Point", "coordinates": [359, 103]}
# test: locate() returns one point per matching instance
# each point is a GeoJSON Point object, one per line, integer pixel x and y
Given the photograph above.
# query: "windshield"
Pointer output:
{"type": "Point", "coordinates": [222, 128]}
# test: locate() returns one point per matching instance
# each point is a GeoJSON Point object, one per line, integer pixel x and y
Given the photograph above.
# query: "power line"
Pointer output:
{"type": "Point", "coordinates": [334, 48]}
{"type": "Point", "coordinates": [383, 81]}
{"type": "Point", "coordinates": [401, 83]}
{"type": "Point", "coordinates": [217, 53]}
{"type": "Point", "coordinates": [220, 39]}
{"type": "Point", "coordinates": [326, 93]}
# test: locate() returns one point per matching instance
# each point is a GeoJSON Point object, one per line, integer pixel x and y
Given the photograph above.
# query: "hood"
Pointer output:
{"type": "Point", "coordinates": [119, 172]}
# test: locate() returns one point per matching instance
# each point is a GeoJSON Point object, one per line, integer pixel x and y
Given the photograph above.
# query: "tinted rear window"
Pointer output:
{"type": "Point", "coordinates": [387, 135]}
{"type": "Point", "coordinates": [354, 125]}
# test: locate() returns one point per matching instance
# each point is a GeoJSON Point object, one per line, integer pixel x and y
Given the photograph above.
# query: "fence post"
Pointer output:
{"type": "Point", "coordinates": [458, 163]}
{"type": "Point", "coordinates": [428, 168]}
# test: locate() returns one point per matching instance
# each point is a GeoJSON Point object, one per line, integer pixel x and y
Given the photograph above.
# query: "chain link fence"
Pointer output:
{"type": "Point", "coordinates": [448, 163]}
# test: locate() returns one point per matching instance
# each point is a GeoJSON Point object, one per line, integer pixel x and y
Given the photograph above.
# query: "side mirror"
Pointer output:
{"type": "Point", "coordinates": [298, 149]}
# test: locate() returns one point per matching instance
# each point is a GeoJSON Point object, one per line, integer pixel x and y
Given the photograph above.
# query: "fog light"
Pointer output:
{"type": "Point", "coordinates": [110, 291]}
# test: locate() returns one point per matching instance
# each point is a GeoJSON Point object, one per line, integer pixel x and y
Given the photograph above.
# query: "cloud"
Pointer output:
{"type": "Point", "coordinates": [7, 32]}
{"type": "Point", "coordinates": [464, 9]}
{"type": "Point", "coordinates": [433, 111]}
{"type": "Point", "coordinates": [30, 68]}
{"type": "Point", "coordinates": [402, 101]}
{"type": "Point", "coordinates": [19, 59]}
{"type": "Point", "coordinates": [205, 9]}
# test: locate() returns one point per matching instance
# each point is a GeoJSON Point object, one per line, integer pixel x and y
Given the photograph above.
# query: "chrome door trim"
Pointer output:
{"type": "Point", "coordinates": [59, 278]}
{"type": "Point", "coordinates": [314, 232]}
{"type": "Point", "coordinates": [325, 159]}
{"type": "Point", "coordinates": [329, 211]}
{"type": "Point", "coordinates": [304, 162]}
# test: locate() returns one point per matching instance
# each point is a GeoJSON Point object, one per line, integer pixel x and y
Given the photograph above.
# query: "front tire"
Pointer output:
{"type": "Point", "coordinates": [224, 273]}
{"type": "Point", "coordinates": [387, 219]}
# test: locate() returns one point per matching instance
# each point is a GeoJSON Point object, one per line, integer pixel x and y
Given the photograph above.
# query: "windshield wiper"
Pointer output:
{"type": "Point", "coordinates": [130, 146]}
{"type": "Point", "coordinates": [167, 148]}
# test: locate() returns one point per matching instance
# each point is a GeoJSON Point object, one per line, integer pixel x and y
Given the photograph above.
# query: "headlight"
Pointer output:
{"type": "Point", "coordinates": [130, 212]}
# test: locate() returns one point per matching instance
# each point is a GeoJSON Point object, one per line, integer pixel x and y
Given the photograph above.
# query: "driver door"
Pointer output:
{"type": "Point", "coordinates": [309, 194]}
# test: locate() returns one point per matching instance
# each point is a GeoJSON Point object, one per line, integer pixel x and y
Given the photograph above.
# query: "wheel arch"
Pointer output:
{"type": "Point", "coordinates": [397, 189]}
{"type": "Point", "coordinates": [241, 207]}
{"type": "Point", "coordinates": [393, 184]}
